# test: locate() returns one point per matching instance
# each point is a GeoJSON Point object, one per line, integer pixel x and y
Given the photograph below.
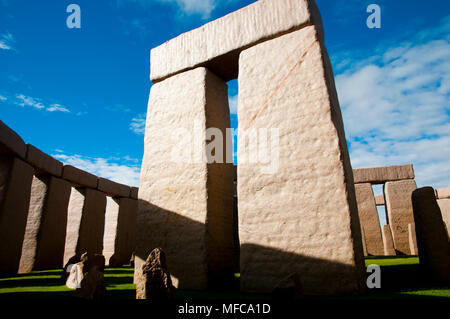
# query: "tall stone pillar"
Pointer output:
{"type": "Point", "coordinates": [15, 187]}
{"type": "Point", "coordinates": [432, 238]}
{"type": "Point", "coordinates": [120, 231]}
{"type": "Point", "coordinates": [368, 217]}
{"type": "Point", "coordinates": [85, 222]}
{"type": "Point", "coordinates": [443, 196]}
{"type": "Point", "coordinates": [388, 242]}
{"type": "Point", "coordinates": [185, 202]}
{"type": "Point", "coordinates": [297, 210]}
{"type": "Point", "coordinates": [399, 210]}
{"type": "Point", "coordinates": [43, 245]}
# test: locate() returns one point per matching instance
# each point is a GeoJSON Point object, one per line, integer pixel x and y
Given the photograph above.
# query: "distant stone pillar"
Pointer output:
{"type": "Point", "coordinates": [432, 238]}
{"type": "Point", "coordinates": [120, 231]}
{"type": "Point", "coordinates": [388, 242]}
{"type": "Point", "coordinates": [43, 245]}
{"type": "Point", "coordinates": [443, 195]}
{"type": "Point", "coordinates": [400, 214]}
{"type": "Point", "coordinates": [412, 239]}
{"type": "Point", "coordinates": [85, 222]}
{"type": "Point", "coordinates": [15, 187]}
{"type": "Point", "coordinates": [368, 217]}
{"type": "Point", "coordinates": [185, 203]}
{"type": "Point", "coordinates": [297, 209]}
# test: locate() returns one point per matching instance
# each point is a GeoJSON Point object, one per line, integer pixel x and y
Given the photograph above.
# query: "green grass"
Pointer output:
{"type": "Point", "coordinates": [400, 276]}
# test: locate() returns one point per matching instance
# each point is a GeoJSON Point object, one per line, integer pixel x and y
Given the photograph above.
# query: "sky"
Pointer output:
{"type": "Point", "coordinates": [81, 95]}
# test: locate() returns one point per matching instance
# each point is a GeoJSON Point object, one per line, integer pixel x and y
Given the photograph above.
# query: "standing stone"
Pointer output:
{"type": "Point", "coordinates": [388, 242]}
{"type": "Point", "coordinates": [368, 217]}
{"type": "Point", "coordinates": [432, 238]}
{"type": "Point", "coordinates": [120, 231]}
{"type": "Point", "coordinates": [400, 214]}
{"type": "Point", "coordinates": [412, 239]}
{"type": "Point", "coordinates": [363, 236]}
{"type": "Point", "coordinates": [43, 245]}
{"type": "Point", "coordinates": [15, 187]}
{"type": "Point", "coordinates": [443, 195]}
{"type": "Point", "coordinates": [185, 203]}
{"type": "Point", "coordinates": [92, 286]}
{"type": "Point", "coordinates": [299, 214]}
{"type": "Point", "coordinates": [85, 222]}
{"type": "Point", "coordinates": [75, 275]}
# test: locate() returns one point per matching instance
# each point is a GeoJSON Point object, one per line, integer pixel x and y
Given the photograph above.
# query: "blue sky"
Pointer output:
{"type": "Point", "coordinates": [81, 94]}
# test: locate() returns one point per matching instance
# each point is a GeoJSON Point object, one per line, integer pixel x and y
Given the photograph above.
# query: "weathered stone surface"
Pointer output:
{"type": "Point", "coordinates": [120, 231]}
{"type": "Point", "coordinates": [217, 44]}
{"type": "Point", "coordinates": [412, 239]}
{"type": "Point", "coordinates": [444, 205]}
{"type": "Point", "coordinates": [368, 217]}
{"type": "Point", "coordinates": [379, 200]}
{"type": "Point", "coordinates": [10, 142]}
{"type": "Point", "coordinates": [113, 189]}
{"type": "Point", "coordinates": [399, 210]}
{"type": "Point", "coordinates": [380, 175]}
{"type": "Point", "coordinates": [92, 285]}
{"type": "Point", "coordinates": [154, 281]}
{"type": "Point", "coordinates": [288, 288]}
{"type": "Point", "coordinates": [43, 163]}
{"type": "Point", "coordinates": [78, 177]}
{"type": "Point", "coordinates": [302, 218]}
{"type": "Point", "coordinates": [363, 237]}
{"type": "Point", "coordinates": [134, 192]}
{"type": "Point", "coordinates": [75, 276]}
{"type": "Point", "coordinates": [432, 238]}
{"type": "Point", "coordinates": [442, 193]}
{"type": "Point", "coordinates": [66, 269]}
{"type": "Point", "coordinates": [186, 207]}
{"type": "Point", "coordinates": [388, 242]}
{"type": "Point", "coordinates": [85, 222]}
{"type": "Point", "coordinates": [43, 244]}
{"type": "Point", "coordinates": [91, 260]}
{"type": "Point", "coordinates": [15, 187]}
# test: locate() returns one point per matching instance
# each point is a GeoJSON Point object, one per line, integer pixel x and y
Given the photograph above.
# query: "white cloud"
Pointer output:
{"type": "Point", "coordinates": [137, 124]}
{"type": "Point", "coordinates": [396, 109]}
{"type": "Point", "coordinates": [201, 7]}
{"type": "Point", "coordinates": [57, 108]}
{"type": "Point", "coordinates": [104, 167]}
{"type": "Point", "coordinates": [233, 103]}
{"type": "Point", "coordinates": [3, 98]}
{"type": "Point", "coordinates": [6, 41]}
{"type": "Point", "coordinates": [23, 100]}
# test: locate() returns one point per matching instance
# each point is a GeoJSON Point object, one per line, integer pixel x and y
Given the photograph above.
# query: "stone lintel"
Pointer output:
{"type": "Point", "coordinates": [78, 177]}
{"type": "Point", "coordinates": [134, 192]}
{"type": "Point", "coordinates": [10, 142]}
{"type": "Point", "coordinates": [113, 189]}
{"type": "Point", "coordinates": [380, 175]}
{"type": "Point", "coordinates": [42, 162]}
{"type": "Point", "coordinates": [442, 193]}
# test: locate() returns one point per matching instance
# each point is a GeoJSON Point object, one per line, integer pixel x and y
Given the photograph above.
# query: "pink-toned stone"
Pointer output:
{"type": "Point", "coordinates": [43, 163]}
{"type": "Point", "coordinates": [368, 217]}
{"type": "Point", "coordinates": [412, 239]}
{"type": "Point", "coordinates": [379, 200]}
{"type": "Point", "coordinates": [400, 213]}
{"type": "Point", "coordinates": [10, 142]}
{"type": "Point", "coordinates": [113, 189]}
{"type": "Point", "coordinates": [388, 242]}
{"type": "Point", "coordinates": [380, 175]}
{"type": "Point", "coordinates": [15, 187]}
{"type": "Point", "coordinates": [301, 218]}
{"type": "Point", "coordinates": [78, 177]}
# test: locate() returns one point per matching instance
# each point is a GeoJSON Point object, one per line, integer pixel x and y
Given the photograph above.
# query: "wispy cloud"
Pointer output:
{"type": "Point", "coordinates": [189, 7]}
{"type": "Point", "coordinates": [57, 108]}
{"type": "Point", "coordinates": [233, 102]}
{"type": "Point", "coordinates": [6, 41]}
{"type": "Point", "coordinates": [396, 108]}
{"type": "Point", "coordinates": [121, 170]}
{"type": "Point", "coordinates": [137, 124]}
{"type": "Point", "coordinates": [3, 98]}
{"type": "Point", "coordinates": [37, 103]}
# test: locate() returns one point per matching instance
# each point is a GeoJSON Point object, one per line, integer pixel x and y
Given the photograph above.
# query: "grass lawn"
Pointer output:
{"type": "Point", "coordinates": [400, 279]}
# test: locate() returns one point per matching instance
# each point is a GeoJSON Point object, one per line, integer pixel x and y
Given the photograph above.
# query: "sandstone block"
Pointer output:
{"type": "Point", "coordinates": [217, 44]}
{"type": "Point", "coordinates": [15, 187]}
{"type": "Point", "coordinates": [399, 210]}
{"type": "Point", "coordinates": [432, 238]}
{"type": "Point", "coordinates": [368, 217]}
{"type": "Point", "coordinates": [185, 207]}
{"type": "Point", "coordinates": [412, 239]}
{"type": "Point", "coordinates": [388, 242]}
{"type": "Point", "coordinates": [442, 193]}
{"type": "Point", "coordinates": [380, 175]}
{"type": "Point", "coordinates": [444, 205]}
{"type": "Point", "coordinates": [43, 163]}
{"type": "Point", "coordinates": [78, 177]}
{"type": "Point", "coordinates": [285, 225]}
{"type": "Point", "coordinates": [379, 200]}
{"type": "Point", "coordinates": [113, 189]}
{"type": "Point", "coordinates": [134, 192]}
{"type": "Point", "coordinates": [10, 142]}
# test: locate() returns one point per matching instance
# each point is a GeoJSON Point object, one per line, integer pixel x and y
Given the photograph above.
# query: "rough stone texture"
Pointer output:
{"type": "Point", "coordinates": [154, 281]}
{"type": "Point", "coordinates": [134, 192]}
{"type": "Point", "coordinates": [43, 163]}
{"type": "Point", "coordinates": [113, 189]}
{"type": "Point", "coordinates": [442, 193]}
{"type": "Point", "coordinates": [85, 222]}
{"type": "Point", "coordinates": [78, 177]}
{"type": "Point", "coordinates": [368, 217]}
{"type": "Point", "coordinates": [120, 231]}
{"type": "Point", "coordinates": [363, 237]}
{"type": "Point", "coordinates": [43, 244]}
{"type": "Point", "coordinates": [217, 44]}
{"type": "Point", "coordinates": [289, 288]}
{"type": "Point", "coordinates": [186, 208]}
{"type": "Point", "coordinates": [444, 205]}
{"type": "Point", "coordinates": [10, 142]}
{"type": "Point", "coordinates": [399, 210]}
{"type": "Point", "coordinates": [303, 218]}
{"type": "Point", "coordinates": [92, 285]}
{"type": "Point", "coordinates": [432, 238]}
{"type": "Point", "coordinates": [379, 200]}
{"type": "Point", "coordinates": [412, 239]}
{"type": "Point", "coordinates": [75, 276]}
{"type": "Point", "coordinates": [91, 260]}
{"type": "Point", "coordinates": [380, 175]}
{"type": "Point", "coordinates": [388, 242]}
{"type": "Point", "coordinates": [15, 187]}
